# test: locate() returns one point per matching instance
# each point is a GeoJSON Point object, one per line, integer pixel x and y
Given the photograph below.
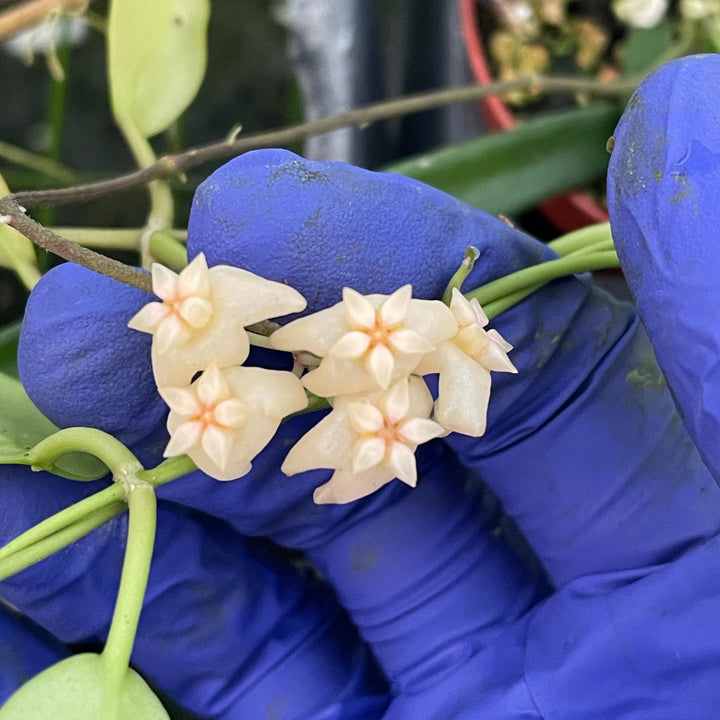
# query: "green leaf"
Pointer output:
{"type": "Point", "coordinates": [74, 689]}
{"type": "Point", "coordinates": [513, 171]}
{"type": "Point", "coordinates": [22, 425]}
{"type": "Point", "coordinates": [645, 46]}
{"type": "Point", "coordinates": [157, 52]}
{"type": "Point", "coordinates": [16, 251]}
{"type": "Point", "coordinates": [9, 338]}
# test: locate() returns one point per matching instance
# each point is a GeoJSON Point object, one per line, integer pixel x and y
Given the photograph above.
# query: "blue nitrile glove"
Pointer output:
{"type": "Point", "coordinates": [228, 626]}
{"type": "Point", "coordinates": [583, 447]}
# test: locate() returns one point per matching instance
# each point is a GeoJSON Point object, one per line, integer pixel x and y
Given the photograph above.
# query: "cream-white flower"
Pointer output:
{"type": "Point", "coordinates": [368, 440]}
{"type": "Point", "coordinates": [203, 314]}
{"type": "Point", "coordinates": [464, 363]}
{"type": "Point", "coordinates": [227, 416]}
{"type": "Point", "coordinates": [367, 341]}
{"type": "Point", "coordinates": [640, 13]}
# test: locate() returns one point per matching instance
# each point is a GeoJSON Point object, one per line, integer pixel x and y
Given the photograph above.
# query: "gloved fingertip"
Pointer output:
{"type": "Point", "coordinates": [663, 183]}
{"type": "Point", "coordinates": [78, 360]}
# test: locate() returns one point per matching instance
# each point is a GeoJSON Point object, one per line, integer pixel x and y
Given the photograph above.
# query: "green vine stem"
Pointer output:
{"type": "Point", "coordinates": [61, 520]}
{"type": "Point", "coordinates": [165, 248]}
{"type": "Point", "coordinates": [540, 274]}
{"type": "Point", "coordinates": [43, 548]}
{"type": "Point", "coordinates": [74, 522]}
{"type": "Point", "coordinates": [162, 206]}
{"type": "Point", "coordinates": [582, 239]}
{"type": "Point", "coordinates": [111, 451]}
{"type": "Point", "coordinates": [133, 582]}
{"type": "Point", "coordinates": [170, 469]}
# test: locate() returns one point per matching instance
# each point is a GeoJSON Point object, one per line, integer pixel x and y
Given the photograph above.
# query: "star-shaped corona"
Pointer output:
{"type": "Point", "coordinates": [203, 315]}
{"type": "Point", "coordinates": [227, 416]}
{"type": "Point", "coordinates": [368, 440]}
{"type": "Point", "coordinates": [367, 341]}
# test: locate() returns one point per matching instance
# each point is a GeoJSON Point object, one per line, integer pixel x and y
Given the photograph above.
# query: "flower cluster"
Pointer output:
{"type": "Point", "coordinates": [373, 351]}
{"type": "Point", "coordinates": [224, 417]}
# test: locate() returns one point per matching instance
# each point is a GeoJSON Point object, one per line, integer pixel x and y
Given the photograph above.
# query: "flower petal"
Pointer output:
{"type": "Point", "coordinates": [393, 310]}
{"type": "Point", "coordinates": [326, 445]}
{"type": "Point", "coordinates": [351, 345]}
{"type": "Point", "coordinates": [367, 453]}
{"type": "Point", "coordinates": [164, 282]}
{"type": "Point", "coordinates": [364, 417]}
{"type": "Point", "coordinates": [498, 339]}
{"type": "Point", "coordinates": [409, 342]}
{"type": "Point", "coordinates": [431, 319]}
{"type": "Point", "coordinates": [396, 401]}
{"type": "Point", "coordinates": [380, 363]}
{"type": "Point", "coordinates": [420, 430]}
{"type": "Point", "coordinates": [359, 312]}
{"type": "Point", "coordinates": [211, 387]}
{"type": "Point", "coordinates": [194, 279]}
{"type": "Point", "coordinates": [170, 332]}
{"type": "Point", "coordinates": [339, 376]}
{"type": "Point", "coordinates": [231, 413]}
{"type": "Point", "coordinates": [344, 487]}
{"type": "Point", "coordinates": [184, 438]}
{"type": "Point", "coordinates": [464, 393]}
{"type": "Point", "coordinates": [149, 317]}
{"type": "Point", "coordinates": [251, 298]}
{"type": "Point", "coordinates": [217, 443]}
{"type": "Point", "coordinates": [182, 401]}
{"type": "Point", "coordinates": [316, 333]}
{"type": "Point", "coordinates": [401, 461]}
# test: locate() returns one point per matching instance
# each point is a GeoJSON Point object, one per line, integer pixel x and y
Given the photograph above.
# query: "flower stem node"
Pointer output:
{"type": "Point", "coordinates": [368, 439]}
{"type": "Point", "coordinates": [227, 416]}
{"type": "Point", "coordinates": [367, 341]}
{"type": "Point", "coordinates": [203, 315]}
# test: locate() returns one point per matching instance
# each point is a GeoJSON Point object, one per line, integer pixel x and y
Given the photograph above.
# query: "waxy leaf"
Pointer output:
{"type": "Point", "coordinates": [16, 251]}
{"type": "Point", "coordinates": [75, 689]}
{"type": "Point", "coordinates": [157, 52]}
{"type": "Point", "coordinates": [22, 425]}
{"type": "Point", "coordinates": [512, 171]}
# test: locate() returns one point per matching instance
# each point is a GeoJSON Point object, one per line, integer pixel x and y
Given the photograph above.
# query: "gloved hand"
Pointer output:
{"type": "Point", "coordinates": [584, 449]}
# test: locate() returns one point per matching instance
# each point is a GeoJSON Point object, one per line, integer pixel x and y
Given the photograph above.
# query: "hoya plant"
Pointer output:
{"type": "Point", "coordinates": [294, 407]}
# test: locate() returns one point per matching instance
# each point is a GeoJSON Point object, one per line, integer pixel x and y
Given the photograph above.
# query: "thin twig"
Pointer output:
{"type": "Point", "coordinates": [12, 207]}
{"type": "Point", "coordinates": [31, 13]}
{"type": "Point", "coordinates": [12, 214]}
{"type": "Point", "coordinates": [170, 165]}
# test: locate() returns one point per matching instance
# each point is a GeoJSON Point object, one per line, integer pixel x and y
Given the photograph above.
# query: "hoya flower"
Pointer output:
{"type": "Point", "coordinates": [203, 314]}
{"type": "Point", "coordinates": [464, 363]}
{"type": "Point", "coordinates": [640, 13]}
{"type": "Point", "coordinates": [368, 440]}
{"type": "Point", "coordinates": [226, 417]}
{"type": "Point", "coordinates": [367, 341]}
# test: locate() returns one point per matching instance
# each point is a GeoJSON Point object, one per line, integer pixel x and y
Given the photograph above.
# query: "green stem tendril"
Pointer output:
{"type": "Point", "coordinates": [64, 519]}
{"type": "Point", "coordinates": [24, 557]}
{"type": "Point", "coordinates": [466, 266]}
{"type": "Point", "coordinates": [170, 469]}
{"type": "Point", "coordinates": [96, 442]}
{"type": "Point", "coordinates": [133, 582]}
{"type": "Point", "coordinates": [581, 239]}
{"type": "Point", "coordinates": [508, 290]}
{"type": "Point", "coordinates": [162, 206]}
{"type": "Point", "coordinates": [168, 250]}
